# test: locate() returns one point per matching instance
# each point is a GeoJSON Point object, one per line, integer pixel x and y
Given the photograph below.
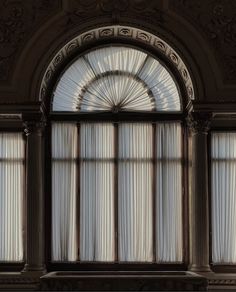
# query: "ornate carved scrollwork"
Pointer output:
{"type": "Point", "coordinates": [199, 122]}
{"type": "Point", "coordinates": [36, 127]}
{"type": "Point", "coordinates": [17, 20]}
{"type": "Point", "coordinates": [217, 21]}
{"type": "Point", "coordinates": [93, 8]}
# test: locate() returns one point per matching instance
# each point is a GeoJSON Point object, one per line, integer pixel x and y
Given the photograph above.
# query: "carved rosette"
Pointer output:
{"type": "Point", "coordinates": [34, 127]}
{"type": "Point", "coordinates": [199, 122]}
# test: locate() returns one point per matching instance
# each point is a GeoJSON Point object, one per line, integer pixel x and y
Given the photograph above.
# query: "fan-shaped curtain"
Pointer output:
{"type": "Point", "coordinates": [223, 178]}
{"type": "Point", "coordinates": [116, 78]}
{"type": "Point", "coordinates": [11, 196]}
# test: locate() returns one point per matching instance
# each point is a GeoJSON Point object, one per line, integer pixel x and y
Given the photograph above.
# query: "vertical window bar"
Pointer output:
{"type": "Point", "coordinates": [78, 192]}
{"type": "Point", "coordinates": [24, 201]}
{"type": "Point", "coordinates": [48, 182]}
{"type": "Point", "coordinates": [154, 191]}
{"type": "Point", "coordinates": [185, 169]}
{"type": "Point", "coordinates": [116, 185]}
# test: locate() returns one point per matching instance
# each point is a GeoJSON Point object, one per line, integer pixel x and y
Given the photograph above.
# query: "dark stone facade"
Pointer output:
{"type": "Point", "coordinates": [32, 35]}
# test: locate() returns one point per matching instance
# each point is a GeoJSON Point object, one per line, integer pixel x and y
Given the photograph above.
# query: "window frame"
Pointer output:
{"type": "Point", "coordinates": [17, 266]}
{"type": "Point", "coordinates": [216, 267]}
{"type": "Point", "coordinates": [126, 116]}
{"type": "Point", "coordinates": [116, 118]}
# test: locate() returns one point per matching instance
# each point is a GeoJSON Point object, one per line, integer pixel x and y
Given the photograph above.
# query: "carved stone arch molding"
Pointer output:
{"type": "Point", "coordinates": [122, 34]}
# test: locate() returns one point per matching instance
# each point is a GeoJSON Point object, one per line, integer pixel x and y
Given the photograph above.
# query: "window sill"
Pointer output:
{"type": "Point", "coordinates": [117, 280]}
{"type": "Point", "coordinates": [18, 281]}
{"type": "Point", "coordinates": [123, 281]}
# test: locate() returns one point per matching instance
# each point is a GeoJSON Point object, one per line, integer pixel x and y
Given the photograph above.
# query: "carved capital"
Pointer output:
{"type": "Point", "coordinates": [199, 122]}
{"type": "Point", "coordinates": [34, 127]}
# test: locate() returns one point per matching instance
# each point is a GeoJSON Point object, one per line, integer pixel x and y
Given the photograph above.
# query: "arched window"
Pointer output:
{"type": "Point", "coordinates": [116, 78]}
{"type": "Point", "coordinates": [117, 173]}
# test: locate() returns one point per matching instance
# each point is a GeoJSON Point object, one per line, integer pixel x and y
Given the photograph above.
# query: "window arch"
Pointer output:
{"type": "Point", "coordinates": [116, 78]}
{"type": "Point", "coordinates": [125, 176]}
{"type": "Point", "coordinates": [117, 121]}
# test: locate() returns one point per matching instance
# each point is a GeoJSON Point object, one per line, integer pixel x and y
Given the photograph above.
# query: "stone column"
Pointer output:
{"type": "Point", "coordinates": [199, 124]}
{"type": "Point", "coordinates": [34, 198]}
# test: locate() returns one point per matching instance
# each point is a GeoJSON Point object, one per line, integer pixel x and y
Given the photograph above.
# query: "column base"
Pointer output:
{"type": "Point", "coordinates": [198, 268]}
{"type": "Point", "coordinates": [35, 271]}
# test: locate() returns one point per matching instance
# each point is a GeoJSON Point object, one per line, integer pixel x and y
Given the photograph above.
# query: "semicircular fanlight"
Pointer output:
{"type": "Point", "coordinates": [116, 79]}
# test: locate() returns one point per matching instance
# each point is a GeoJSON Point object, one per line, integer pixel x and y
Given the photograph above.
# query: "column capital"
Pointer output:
{"type": "Point", "coordinates": [199, 122]}
{"type": "Point", "coordinates": [34, 126]}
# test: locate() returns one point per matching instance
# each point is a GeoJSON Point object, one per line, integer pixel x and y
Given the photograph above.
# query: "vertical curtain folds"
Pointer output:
{"type": "Point", "coordinates": [223, 184]}
{"type": "Point", "coordinates": [96, 175]}
{"type": "Point", "coordinates": [168, 193]}
{"type": "Point", "coordinates": [11, 196]}
{"type": "Point", "coordinates": [64, 191]}
{"type": "Point", "coordinates": [135, 192]}
{"type": "Point", "coordinates": [97, 238]}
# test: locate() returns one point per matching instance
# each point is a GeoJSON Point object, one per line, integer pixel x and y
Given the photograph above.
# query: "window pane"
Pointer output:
{"type": "Point", "coordinates": [168, 193]}
{"type": "Point", "coordinates": [64, 191]}
{"type": "Point", "coordinates": [97, 234]}
{"type": "Point", "coordinates": [11, 196]}
{"type": "Point", "coordinates": [116, 78]}
{"type": "Point", "coordinates": [223, 176]}
{"type": "Point", "coordinates": [135, 192]}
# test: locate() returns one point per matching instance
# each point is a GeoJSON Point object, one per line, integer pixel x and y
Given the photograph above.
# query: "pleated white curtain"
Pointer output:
{"type": "Point", "coordinates": [116, 76]}
{"type": "Point", "coordinates": [223, 184]}
{"type": "Point", "coordinates": [96, 176]}
{"type": "Point", "coordinates": [135, 192]}
{"type": "Point", "coordinates": [11, 196]}
{"type": "Point", "coordinates": [64, 192]}
{"type": "Point", "coordinates": [97, 233]}
{"type": "Point", "coordinates": [169, 245]}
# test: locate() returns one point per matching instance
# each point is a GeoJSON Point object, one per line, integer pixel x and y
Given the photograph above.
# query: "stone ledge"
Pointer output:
{"type": "Point", "coordinates": [19, 281]}
{"type": "Point", "coordinates": [123, 281]}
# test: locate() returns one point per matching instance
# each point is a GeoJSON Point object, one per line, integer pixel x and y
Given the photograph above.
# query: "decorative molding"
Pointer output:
{"type": "Point", "coordinates": [123, 283]}
{"type": "Point", "coordinates": [216, 107]}
{"type": "Point", "coordinates": [18, 280]}
{"type": "Point", "coordinates": [216, 20]}
{"type": "Point", "coordinates": [151, 11]}
{"type": "Point", "coordinates": [150, 7]}
{"type": "Point", "coordinates": [199, 122]}
{"type": "Point", "coordinates": [10, 117]}
{"type": "Point", "coordinates": [34, 127]}
{"type": "Point", "coordinates": [222, 282]}
{"type": "Point", "coordinates": [114, 32]}
{"type": "Point", "coordinates": [225, 116]}
{"type": "Point", "coordinates": [18, 18]}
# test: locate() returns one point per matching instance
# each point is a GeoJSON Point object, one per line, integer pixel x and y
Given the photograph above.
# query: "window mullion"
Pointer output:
{"type": "Point", "coordinates": [78, 191]}
{"type": "Point", "coordinates": [116, 149]}
{"type": "Point", "coordinates": [154, 191]}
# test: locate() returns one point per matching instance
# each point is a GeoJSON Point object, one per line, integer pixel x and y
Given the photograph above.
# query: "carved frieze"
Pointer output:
{"type": "Point", "coordinates": [18, 18]}
{"type": "Point", "coordinates": [217, 21]}
{"type": "Point", "coordinates": [80, 9]}
{"type": "Point", "coordinates": [123, 32]}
